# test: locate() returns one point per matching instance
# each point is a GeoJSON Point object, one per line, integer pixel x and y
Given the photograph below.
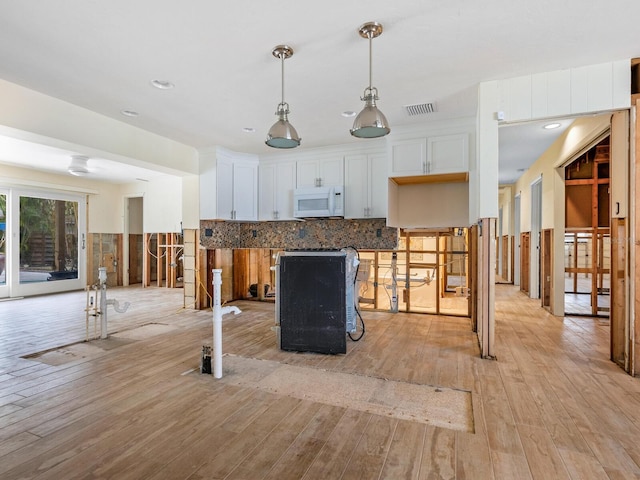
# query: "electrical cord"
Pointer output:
{"type": "Point", "coordinates": [355, 300]}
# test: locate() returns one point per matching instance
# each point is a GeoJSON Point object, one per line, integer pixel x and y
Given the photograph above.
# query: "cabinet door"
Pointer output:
{"type": "Point", "coordinates": [245, 191]}
{"type": "Point", "coordinates": [285, 182]}
{"type": "Point", "coordinates": [267, 191]}
{"type": "Point", "coordinates": [224, 188]}
{"type": "Point", "coordinates": [378, 186]}
{"type": "Point", "coordinates": [324, 172]}
{"type": "Point", "coordinates": [331, 172]}
{"type": "Point", "coordinates": [307, 173]}
{"type": "Point", "coordinates": [448, 153]}
{"type": "Point", "coordinates": [408, 157]}
{"type": "Point", "coordinates": [356, 191]}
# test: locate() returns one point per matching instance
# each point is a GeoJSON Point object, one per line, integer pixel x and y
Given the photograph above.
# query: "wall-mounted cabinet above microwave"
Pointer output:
{"type": "Point", "coordinates": [318, 202]}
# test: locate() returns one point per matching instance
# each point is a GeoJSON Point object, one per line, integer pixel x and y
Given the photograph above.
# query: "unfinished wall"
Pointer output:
{"type": "Point", "coordinates": [104, 250]}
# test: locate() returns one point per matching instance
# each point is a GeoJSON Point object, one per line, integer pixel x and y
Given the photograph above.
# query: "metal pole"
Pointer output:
{"type": "Point", "coordinates": [217, 324]}
{"type": "Point", "coordinates": [102, 277]}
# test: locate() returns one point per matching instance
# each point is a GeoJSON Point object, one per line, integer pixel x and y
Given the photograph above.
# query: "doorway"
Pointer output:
{"type": "Point", "coordinates": [516, 236]}
{"type": "Point", "coordinates": [133, 247]}
{"type": "Point", "coordinates": [42, 242]}
{"type": "Point", "coordinates": [587, 233]}
{"type": "Point", "coordinates": [534, 240]}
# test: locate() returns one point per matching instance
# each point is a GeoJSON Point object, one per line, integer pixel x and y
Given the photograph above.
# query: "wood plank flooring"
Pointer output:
{"type": "Point", "coordinates": [551, 406]}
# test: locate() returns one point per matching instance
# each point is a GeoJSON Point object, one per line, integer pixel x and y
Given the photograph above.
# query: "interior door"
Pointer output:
{"type": "Point", "coordinates": [524, 261]}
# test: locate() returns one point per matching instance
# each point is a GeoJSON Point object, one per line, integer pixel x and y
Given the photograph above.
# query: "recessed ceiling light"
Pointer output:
{"type": "Point", "coordinates": [129, 113]}
{"type": "Point", "coordinates": [348, 113]}
{"type": "Point", "coordinates": [551, 126]}
{"type": "Point", "coordinates": [249, 130]}
{"type": "Point", "coordinates": [162, 84]}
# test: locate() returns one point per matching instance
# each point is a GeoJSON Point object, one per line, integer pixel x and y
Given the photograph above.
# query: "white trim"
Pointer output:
{"type": "Point", "coordinates": [11, 182]}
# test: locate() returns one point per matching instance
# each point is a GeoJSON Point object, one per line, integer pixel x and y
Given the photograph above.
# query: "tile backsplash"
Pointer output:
{"type": "Point", "coordinates": [362, 234]}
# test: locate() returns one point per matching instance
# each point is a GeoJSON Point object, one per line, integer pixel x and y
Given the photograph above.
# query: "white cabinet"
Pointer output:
{"type": "Point", "coordinates": [365, 186]}
{"type": "Point", "coordinates": [228, 186]}
{"type": "Point", "coordinates": [431, 155]}
{"type": "Point", "coordinates": [448, 154]}
{"type": "Point", "coordinates": [237, 189]}
{"type": "Point", "coordinates": [408, 157]}
{"type": "Point", "coordinates": [275, 192]}
{"type": "Point", "coordinates": [321, 172]}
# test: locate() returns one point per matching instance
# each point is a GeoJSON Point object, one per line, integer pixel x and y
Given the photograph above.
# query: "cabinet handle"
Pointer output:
{"type": "Point", "coordinates": [617, 208]}
{"type": "Point", "coordinates": [424, 167]}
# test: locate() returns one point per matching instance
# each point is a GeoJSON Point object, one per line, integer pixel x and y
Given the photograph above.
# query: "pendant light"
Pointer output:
{"type": "Point", "coordinates": [370, 122]}
{"type": "Point", "coordinates": [282, 134]}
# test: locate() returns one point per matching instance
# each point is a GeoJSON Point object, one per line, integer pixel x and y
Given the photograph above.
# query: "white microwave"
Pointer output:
{"type": "Point", "coordinates": [318, 202]}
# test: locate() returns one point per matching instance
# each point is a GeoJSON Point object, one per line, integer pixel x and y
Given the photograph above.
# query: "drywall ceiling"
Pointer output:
{"type": "Point", "coordinates": [103, 55]}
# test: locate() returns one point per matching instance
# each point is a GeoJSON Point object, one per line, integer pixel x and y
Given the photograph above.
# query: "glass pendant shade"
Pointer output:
{"type": "Point", "coordinates": [282, 134]}
{"type": "Point", "coordinates": [370, 122]}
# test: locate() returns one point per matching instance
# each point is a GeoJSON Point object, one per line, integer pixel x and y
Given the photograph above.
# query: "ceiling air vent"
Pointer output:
{"type": "Point", "coordinates": [420, 108]}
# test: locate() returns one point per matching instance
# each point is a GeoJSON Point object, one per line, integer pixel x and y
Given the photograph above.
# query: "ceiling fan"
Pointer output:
{"type": "Point", "coordinates": [78, 165]}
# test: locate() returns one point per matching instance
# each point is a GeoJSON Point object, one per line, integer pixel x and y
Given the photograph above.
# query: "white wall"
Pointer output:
{"type": "Point", "coordinates": [585, 89]}
{"type": "Point", "coordinates": [190, 202]}
{"type": "Point", "coordinates": [483, 176]}
{"type": "Point", "coordinates": [162, 203]}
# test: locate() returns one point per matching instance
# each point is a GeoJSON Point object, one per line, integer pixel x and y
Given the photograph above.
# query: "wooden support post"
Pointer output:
{"type": "Point", "coordinates": [120, 267]}
{"type": "Point", "coordinates": [473, 276]}
{"type": "Point", "coordinates": [146, 261]}
{"type": "Point", "coordinates": [169, 254]}
{"type": "Point", "coordinates": [486, 290]}
{"type": "Point", "coordinates": [634, 337]}
{"type": "Point", "coordinates": [159, 267]}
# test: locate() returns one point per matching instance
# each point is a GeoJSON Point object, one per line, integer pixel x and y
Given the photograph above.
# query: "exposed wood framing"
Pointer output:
{"type": "Point", "coordinates": [634, 340]}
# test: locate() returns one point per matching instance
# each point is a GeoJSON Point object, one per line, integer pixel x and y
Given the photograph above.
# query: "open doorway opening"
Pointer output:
{"type": "Point", "coordinates": [535, 238]}
{"type": "Point", "coordinates": [587, 233]}
{"type": "Point", "coordinates": [134, 246]}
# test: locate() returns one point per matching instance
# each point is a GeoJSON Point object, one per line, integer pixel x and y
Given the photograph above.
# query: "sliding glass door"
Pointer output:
{"type": "Point", "coordinates": [4, 290]}
{"type": "Point", "coordinates": [44, 241]}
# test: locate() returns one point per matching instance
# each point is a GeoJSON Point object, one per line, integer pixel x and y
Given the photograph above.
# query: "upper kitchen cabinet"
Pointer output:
{"type": "Point", "coordinates": [320, 172]}
{"type": "Point", "coordinates": [408, 157]}
{"type": "Point", "coordinates": [228, 185]}
{"type": "Point", "coordinates": [277, 180]}
{"type": "Point", "coordinates": [448, 154]}
{"type": "Point", "coordinates": [365, 186]}
{"type": "Point", "coordinates": [430, 155]}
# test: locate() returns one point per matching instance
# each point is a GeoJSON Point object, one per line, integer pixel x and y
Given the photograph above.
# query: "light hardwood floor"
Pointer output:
{"type": "Point", "coordinates": [551, 406]}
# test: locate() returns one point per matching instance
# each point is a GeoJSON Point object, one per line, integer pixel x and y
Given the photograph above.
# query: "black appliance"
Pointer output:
{"type": "Point", "coordinates": [311, 307]}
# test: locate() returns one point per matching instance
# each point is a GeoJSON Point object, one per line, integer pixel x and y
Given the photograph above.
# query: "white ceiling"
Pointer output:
{"type": "Point", "coordinates": [102, 55]}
